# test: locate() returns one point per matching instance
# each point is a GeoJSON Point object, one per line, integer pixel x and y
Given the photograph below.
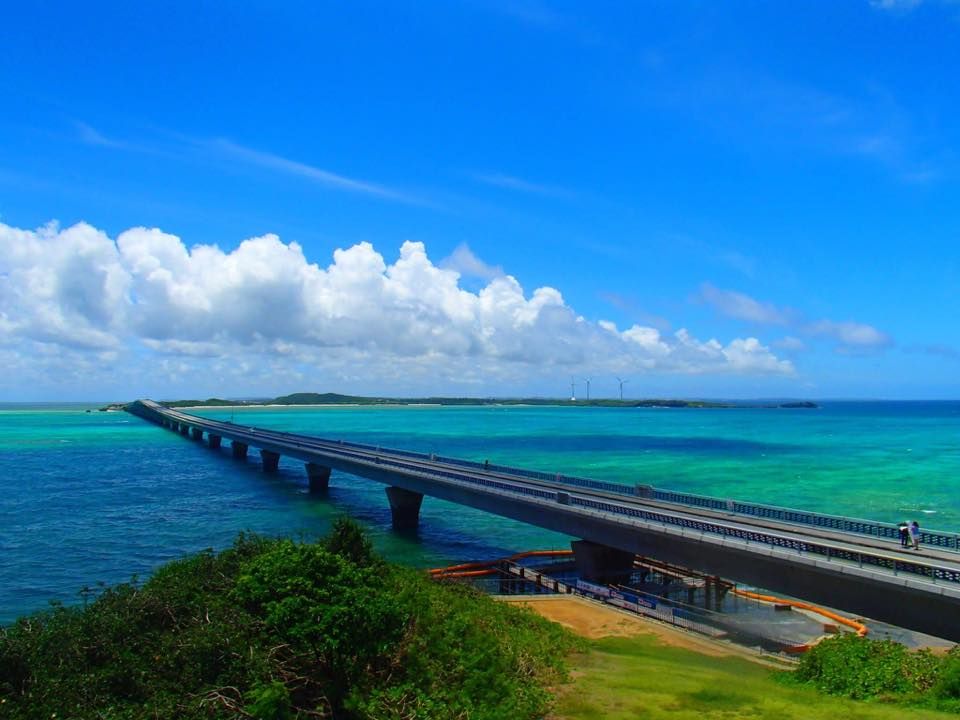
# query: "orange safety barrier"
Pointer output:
{"type": "Point", "coordinates": [860, 628]}
{"type": "Point", "coordinates": [478, 569]}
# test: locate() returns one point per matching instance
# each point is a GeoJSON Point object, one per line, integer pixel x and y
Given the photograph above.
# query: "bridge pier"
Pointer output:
{"type": "Point", "coordinates": [404, 507]}
{"type": "Point", "coordinates": [197, 433]}
{"type": "Point", "coordinates": [239, 449]}
{"type": "Point", "coordinates": [215, 441]}
{"type": "Point", "coordinates": [271, 460]}
{"type": "Point", "coordinates": [601, 563]}
{"type": "Point", "coordinates": [715, 592]}
{"type": "Point", "coordinates": [184, 429]}
{"type": "Point", "coordinates": [319, 476]}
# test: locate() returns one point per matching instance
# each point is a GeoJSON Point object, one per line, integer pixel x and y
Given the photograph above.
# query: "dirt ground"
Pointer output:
{"type": "Point", "coordinates": [593, 620]}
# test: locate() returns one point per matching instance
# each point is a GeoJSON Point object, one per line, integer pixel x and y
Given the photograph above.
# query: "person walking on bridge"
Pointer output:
{"type": "Point", "coordinates": [904, 530]}
{"type": "Point", "coordinates": [915, 534]}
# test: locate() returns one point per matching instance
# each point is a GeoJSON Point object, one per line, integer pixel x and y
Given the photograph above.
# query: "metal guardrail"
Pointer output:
{"type": "Point", "coordinates": [705, 622]}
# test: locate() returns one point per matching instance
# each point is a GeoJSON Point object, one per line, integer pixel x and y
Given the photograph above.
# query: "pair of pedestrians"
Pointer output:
{"type": "Point", "coordinates": [909, 534]}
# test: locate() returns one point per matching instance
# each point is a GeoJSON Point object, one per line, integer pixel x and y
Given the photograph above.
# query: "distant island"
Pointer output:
{"type": "Point", "coordinates": [307, 398]}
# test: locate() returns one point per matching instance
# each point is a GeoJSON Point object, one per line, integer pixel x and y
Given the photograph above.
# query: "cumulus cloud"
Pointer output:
{"type": "Point", "coordinates": [62, 286]}
{"type": "Point", "coordinates": [146, 292]}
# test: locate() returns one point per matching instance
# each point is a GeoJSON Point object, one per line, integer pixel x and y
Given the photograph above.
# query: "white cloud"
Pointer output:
{"type": "Point", "coordinates": [62, 286]}
{"type": "Point", "coordinates": [264, 302]}
{"type": "Point", "coordinates": [743, 307]}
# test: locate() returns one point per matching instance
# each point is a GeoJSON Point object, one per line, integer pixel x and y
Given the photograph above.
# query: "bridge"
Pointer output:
{"type": "Point", "coordinates": [846, 563]}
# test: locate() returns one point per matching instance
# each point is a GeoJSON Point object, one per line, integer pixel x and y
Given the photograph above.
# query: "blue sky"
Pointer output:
{"type": "Point", "coordinates": [742, 199]}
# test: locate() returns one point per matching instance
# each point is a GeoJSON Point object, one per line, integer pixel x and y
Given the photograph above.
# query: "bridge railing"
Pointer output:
{"type": "Point", "coordinates": [771, 539]}
{"type": "Point", "coordinates": [828, 551]}
{"type": "Point", "coordinates": [874, 528]}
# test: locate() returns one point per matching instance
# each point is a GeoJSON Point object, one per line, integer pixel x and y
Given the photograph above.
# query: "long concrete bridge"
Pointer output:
{"type": "Point", "coordinates": [854, 565]}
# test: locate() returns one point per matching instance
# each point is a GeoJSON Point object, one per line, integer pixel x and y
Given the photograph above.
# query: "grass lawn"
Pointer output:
{"type": "Point", "coordinates": [639, 677]}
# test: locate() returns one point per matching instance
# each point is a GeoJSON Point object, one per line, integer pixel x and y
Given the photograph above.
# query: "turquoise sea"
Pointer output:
{"type": "Point", "coordinates": [98, 497]}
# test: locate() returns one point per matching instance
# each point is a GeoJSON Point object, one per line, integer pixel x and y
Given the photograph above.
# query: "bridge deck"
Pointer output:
{"type": "Point", "coordinates": [779, 553]}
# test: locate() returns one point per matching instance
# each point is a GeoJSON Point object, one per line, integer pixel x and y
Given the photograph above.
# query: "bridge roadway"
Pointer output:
{"type": "Point", "coordinates": [862, 574]}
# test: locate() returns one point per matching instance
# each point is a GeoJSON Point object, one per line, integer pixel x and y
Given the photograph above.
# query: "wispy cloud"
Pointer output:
{"type": "Point", "coordinates": [187, 147]}
{"type": "Point", "coordinates": [541, 16]}
{"type": "Point", "coordinates": [790, 344]}
{"type": "Point", "coordinates": [896, 5]}
{"type": "Point", "coordinates": [743, 307]}
{"type": "Point", "coordinates": [510, 182]}
{"type": "Point", "coordinates": [534, 13]}
{"type": "Point", "coordinates": [465, 262]}
{"type": "Point", "coordinates": [852, 337]}
{"type": "Point", "coordinates": [869, 122]}
{"type": "Point", "coordinates": [849, 337]}
{"type": "Point", "coordinates": [632, 308]}
{"type": "Point", "coordinates": [937, 350]}
{"type": "Point", "coordinates": [309, 172]}
{"type": "Point", "coordinates": [91, 136]}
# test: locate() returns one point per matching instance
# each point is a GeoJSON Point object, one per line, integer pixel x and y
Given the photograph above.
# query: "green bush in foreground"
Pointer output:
{"type": "Point", "coordinates": [861, 668]}
{"type": "Point", "coordinates": [277, 629]}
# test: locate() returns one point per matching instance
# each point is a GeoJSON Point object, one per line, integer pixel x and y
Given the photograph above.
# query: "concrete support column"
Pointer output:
{"type": "Point", "coordinates": [716, 591]}
{"type": "Point", "coordinates": [319, 476]}
{"type": "Point", "coordinates": [602, 564]}
{"type": "Point", "coordinates": [404, 507]}
{"type": "Point", "coordinates": [271, 460]}
{"type": "Point", "coordinates": [239, 450]}
{"type": "Point", "coordinates": [197, 433]}
{"type": "Point", "coordinates": [215, 441]}
{"type": "Point", "coordinates": [184, 429]}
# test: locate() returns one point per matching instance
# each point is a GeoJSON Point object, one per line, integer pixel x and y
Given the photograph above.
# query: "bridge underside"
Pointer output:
{"type": "Point", "coordinates": [825, 583]}
{"type": "Point", "coordinates": [898, 605]}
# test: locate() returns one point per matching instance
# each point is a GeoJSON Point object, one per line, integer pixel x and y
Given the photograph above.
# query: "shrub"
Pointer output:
{"type": "Point", "coordinates": [277, 629]}
{"type": "Point", "coordinates": [947, 685]}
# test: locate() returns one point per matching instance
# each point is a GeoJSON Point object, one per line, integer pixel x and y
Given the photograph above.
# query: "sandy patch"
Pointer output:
{"type": "Point", "coordinates": [593, 620]}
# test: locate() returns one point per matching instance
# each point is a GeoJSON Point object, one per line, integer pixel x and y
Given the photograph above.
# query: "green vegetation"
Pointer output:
{"type": "Point", "coordinates": [277, 629]}
{"type": "Point", "coordinates": [305, 398]}
{"type": "Point", "coordinates": [628, 678]}
{"type": "Point", "coordinates": [209, 402]}
{"type": "Point", "coordinates": [860, 668]}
